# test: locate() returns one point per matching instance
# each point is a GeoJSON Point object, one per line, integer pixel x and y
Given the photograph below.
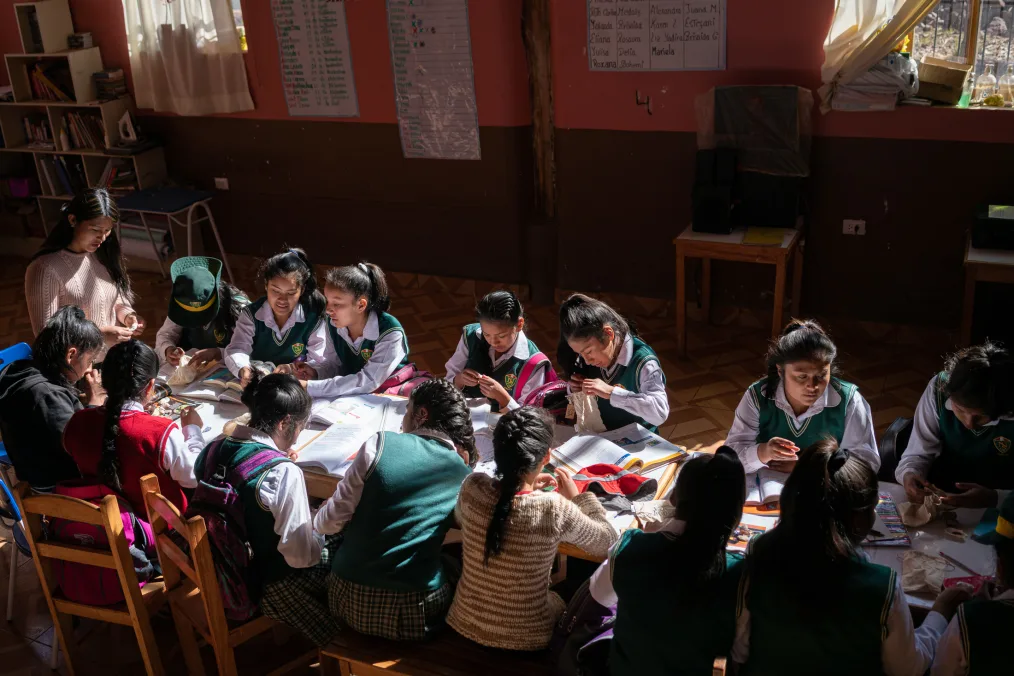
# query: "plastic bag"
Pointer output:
{"type": "Point", "coordinates": [894, 77]}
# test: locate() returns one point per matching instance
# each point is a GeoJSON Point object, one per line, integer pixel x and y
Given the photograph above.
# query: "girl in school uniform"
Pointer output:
{"type": "Point", "coordinates": [511, 530]}
{"type": "Point", "coordinates": [800, 402]}
{"type": "Point", "coordinates": [393, 508]}
{"type": "Point", "coordinates": [963, 430]}
{"type": "Point", "coordinates": [203, 311]}
{"type": "Point", "coordinates": [602, 356]}
{"type": "Point", "coordinates": [812, 603]}
{"type": "Point", "coordinates": [285, 325]}
{"type": "Point", "coordinates": [709, 503]}
{"type": "Point", "coordinates": [975, 643]}
{"type": "Point", "coordinates": [494, 357]}
{"type": "Point", "coordinates": [291, 561]}
{"type": "Point", "coordinates": [119, 443]}
{"type": "Point", "coordinates": [365, 345]}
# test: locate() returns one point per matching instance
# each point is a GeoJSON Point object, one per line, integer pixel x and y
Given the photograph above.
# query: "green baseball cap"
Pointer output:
{"type": "Point", "coordinates": [1004, 529]}
{"type": "Point", "coordinates": [194, 302]}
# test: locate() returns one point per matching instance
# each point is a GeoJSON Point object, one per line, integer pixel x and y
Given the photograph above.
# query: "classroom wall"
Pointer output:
{"type": "Point", "coordinates": [915, 174]}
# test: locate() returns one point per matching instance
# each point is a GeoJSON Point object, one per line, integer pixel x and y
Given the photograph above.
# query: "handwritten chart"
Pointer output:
{"type": "Point", "coordinates": [313, 43]}
{"type": "Point", "coordinates": [656, 34]}
{"type": "Point", "coordinates": [431, 52]}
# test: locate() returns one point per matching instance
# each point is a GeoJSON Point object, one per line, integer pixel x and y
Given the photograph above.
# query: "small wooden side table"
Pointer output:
{"type": "Point", "coordinates": [730, 247]}
{"type": "Point", "coordinates": [982, 265]}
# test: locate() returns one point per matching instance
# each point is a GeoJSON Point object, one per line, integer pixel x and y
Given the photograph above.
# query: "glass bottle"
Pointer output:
{"type": "Point", "coordinates": [966, 92]}
{"type": "Point", "coordinates": [1007, 86]}
{"type": "Point", "coordinates": [985, 85]}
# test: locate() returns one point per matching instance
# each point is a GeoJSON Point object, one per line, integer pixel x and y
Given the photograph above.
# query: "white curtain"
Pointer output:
{"type": "Point", "coordinates": [185, 56]}
{"type": "Point", "coordinates": [862, 33]}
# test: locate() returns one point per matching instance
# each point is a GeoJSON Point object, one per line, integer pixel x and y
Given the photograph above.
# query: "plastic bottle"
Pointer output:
{"type": "Point", "coordinates": [1007, 86]}
{"type": "Point", "coordinates": [985, 85]}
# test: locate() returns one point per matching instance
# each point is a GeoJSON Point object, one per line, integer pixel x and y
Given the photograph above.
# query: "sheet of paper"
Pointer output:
{"type": "Point", "coordinates": [431, 52]}
{"type": "Point", "coordinates": [316, 64]}
{"type": "Point", "coordinates": [656, 34]}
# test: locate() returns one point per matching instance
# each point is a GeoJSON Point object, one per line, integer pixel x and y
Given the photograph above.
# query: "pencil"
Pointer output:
{"type": "Point", "coordinates": [957, 563]}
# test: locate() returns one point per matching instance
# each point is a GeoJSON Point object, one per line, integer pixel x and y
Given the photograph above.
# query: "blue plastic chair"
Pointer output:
{"type": "Point", "coordinates": [11, 354]}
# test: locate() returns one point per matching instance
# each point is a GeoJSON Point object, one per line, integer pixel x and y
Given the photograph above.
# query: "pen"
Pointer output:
{"type": "Point", "coordinates": [957, 563]}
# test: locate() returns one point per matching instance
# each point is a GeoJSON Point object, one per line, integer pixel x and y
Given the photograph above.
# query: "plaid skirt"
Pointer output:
{"type": "Point", "coordinates": [402, 616]}
{"type": "Point", "coordinates": [300, 599]}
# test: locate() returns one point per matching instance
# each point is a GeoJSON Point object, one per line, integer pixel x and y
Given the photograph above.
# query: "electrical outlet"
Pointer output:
{"type": "Point", "coordinates": [853, 227]}
{"type": "Point", "coordinates": [221, 183]}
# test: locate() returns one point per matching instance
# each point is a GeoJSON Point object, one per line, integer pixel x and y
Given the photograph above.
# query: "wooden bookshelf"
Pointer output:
{"type": "Point", "coordinates": [43, 26]}
{"type": "Point", "coordinates": [81, 64]}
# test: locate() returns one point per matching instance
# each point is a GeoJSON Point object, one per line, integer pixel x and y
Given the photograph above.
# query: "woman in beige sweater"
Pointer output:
{"type": "Point", "coordinates": [80, 264]}
{"type": "Point", "coordinates": [511, 528]}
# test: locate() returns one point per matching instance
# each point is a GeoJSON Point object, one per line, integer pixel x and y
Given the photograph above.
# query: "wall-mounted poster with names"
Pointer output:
{"type": "Point", "coordinates": [431, 52]}
{"type": "Point", "coordinates": [313, 46]}
{"type": "Point", "coordinates": [656, 34]}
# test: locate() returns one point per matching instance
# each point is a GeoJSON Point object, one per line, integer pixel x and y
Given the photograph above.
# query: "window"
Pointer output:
{"type": "Point", "coordinates": [945, 33]}
{"type": "Point", "coordinates": [237, 15]}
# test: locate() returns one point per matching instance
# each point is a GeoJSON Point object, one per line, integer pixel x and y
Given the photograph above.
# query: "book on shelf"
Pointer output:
{"type": "Point", "coordinates": [38, 134]}
{"type": "Point", "coordinates": [110, 84]}
{"type": "Point", "coordinates": [85, 131]}
{"type": "Point", "coordinates": [34, 32]}
{"type": "Point", "coordinates": [49, 177]}
{"type": "Point", "coordinates": [80, 41]}
{"type": "Point", "coordinates": [51, 82]}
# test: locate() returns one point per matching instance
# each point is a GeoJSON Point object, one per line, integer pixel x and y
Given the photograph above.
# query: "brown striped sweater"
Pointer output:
{"type": "Point", "coordinates": [507, 603]}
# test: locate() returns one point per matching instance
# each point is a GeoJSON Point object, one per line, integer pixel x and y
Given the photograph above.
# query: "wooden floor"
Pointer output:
{"type": "Point", "coordinates": [891, 365]}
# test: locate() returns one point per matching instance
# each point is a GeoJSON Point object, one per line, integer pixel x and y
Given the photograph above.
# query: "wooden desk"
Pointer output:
{"type": "Point", "coordinates": [982, 265]}
{"type": "Point", "coordinates": [730, 247]}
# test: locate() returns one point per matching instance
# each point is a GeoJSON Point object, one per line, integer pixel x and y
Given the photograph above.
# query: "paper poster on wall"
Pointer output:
{"type": "Point", "coordinates": [656, 34]}
{"type": "Point", "coordinates": [313, 46]}
{"type": "Point", "coordinates": [431, 51]}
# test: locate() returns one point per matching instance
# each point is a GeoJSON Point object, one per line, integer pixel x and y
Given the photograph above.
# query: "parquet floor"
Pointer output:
{"type": "Point", "coordinates": [891, 364]}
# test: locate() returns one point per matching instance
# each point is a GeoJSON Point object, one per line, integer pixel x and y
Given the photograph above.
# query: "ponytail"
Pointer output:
{"type": "Point", "coordinates": [363, 280]}
{"type": "Point", "coordinates": [981, 377]}
{"type": "Point", "coordinates": [520, 441]}
{"type": "Point", "coordinates": [800, 340]}
{"type": "Point", "coordinates": [447, 413]}
{"type": "Point", "coordinates": [274, 398]}
{"type": "Point", "coordinates": [294, 264]}
{"type": "Point", "coordinates": [126, 372]}
{"type": "Point", "coordinates": [582, 316]}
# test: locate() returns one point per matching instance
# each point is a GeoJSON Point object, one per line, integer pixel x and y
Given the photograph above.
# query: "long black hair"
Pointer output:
{"type": "Point", "coordinates": [447, 413]}
{"type": "Point", "coordinates": [500, 306]}
{"type": "Point", "coordinates": [274, 398]}
{"type": "Point", "coordinates": [362, 280]}
{"type": "Point", "coordinates": [126, 372]}
{"type": "Point", "coordinates": [294, 264]}
{"type": "Point", "coordinates": [66, 329]}
{"type": "Point", "coordinates": [88, 205]}
{"type": "Point", "coordinates": [582, 316]}
{"type": "Point", "coordinates": [981, 377]}
{"type": "Point", "coordinates": [520, 441]}
{"type": "Point", "coordinates": [232, 302]}
{"type": "Point", "coordinates": [826, 491]}
{"type": "Point", "coordinates": [800, 340]}
{"type": "Point", "coordinates": [708, 496]}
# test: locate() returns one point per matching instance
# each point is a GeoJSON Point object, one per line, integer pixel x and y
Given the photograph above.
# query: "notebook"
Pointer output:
{"type": "Point", "coordinates": [764, 488]}
{"type": "Point", "coordinates": [221, 385]}
{"type": "Point", "coordinates": [631, 447]}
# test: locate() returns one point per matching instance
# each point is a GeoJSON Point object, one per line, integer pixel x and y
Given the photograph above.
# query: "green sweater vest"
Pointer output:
{"type": "Point", "coordinates": [660, 628]}
{"type": "Point", "coordinates": [266, 347]}
{"type": "Point", "coordinates": [985, 629]}
{"type": "Point", "coordinates": [774, 422]}
{"type": "Point", "coordinates": [983, 456]}
{"type": "Point", "coordinates": [627, 377]}
{"type": "Point", "coordinates": [352, 360]}
{"type": "Point", "coordinates": [393, 540]}
{"type": "Point", "coordinates": [478, 360]}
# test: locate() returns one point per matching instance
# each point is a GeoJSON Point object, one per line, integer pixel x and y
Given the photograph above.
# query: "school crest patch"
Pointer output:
{"type": "Point", "coordinates": [1002, 445]}
{"type": "Point", "coordinates": [510, 380]}
{"type": "Point", "coordinates": [366, 354]}
{"type": "Point", "coordinates": [297, 348]}
{"type": "Point", "coordinates": [219, 337]}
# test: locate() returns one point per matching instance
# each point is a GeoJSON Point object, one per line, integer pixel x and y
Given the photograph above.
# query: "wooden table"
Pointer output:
{"type": "Point", "coordinates": [730, 247]}
{"type": "Point", "coordinates": [982, 265]}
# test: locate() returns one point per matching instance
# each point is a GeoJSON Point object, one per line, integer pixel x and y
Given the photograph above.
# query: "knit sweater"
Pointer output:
{"type": "Point", "coordinates": [507, 603]}
{"type": "Point", "coordinates": [68, 278]}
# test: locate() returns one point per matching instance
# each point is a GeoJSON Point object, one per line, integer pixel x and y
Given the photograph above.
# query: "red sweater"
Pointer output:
{"type": "Point", "coordinates": [140, 445]}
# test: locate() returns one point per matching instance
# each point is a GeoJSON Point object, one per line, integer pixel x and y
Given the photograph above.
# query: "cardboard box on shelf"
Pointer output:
{"type": "Point", "coordinates": [942, 80]}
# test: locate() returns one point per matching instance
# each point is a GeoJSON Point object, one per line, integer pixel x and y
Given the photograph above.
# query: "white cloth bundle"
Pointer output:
{"type": "Point", "coordinates": [586, 414]}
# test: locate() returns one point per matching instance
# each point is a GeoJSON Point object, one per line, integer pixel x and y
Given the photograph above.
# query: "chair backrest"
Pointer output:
{"type": "Point", "coordinates": [15, 353]}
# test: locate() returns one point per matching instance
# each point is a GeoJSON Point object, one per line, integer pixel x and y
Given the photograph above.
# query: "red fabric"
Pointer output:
{"type": "Point", "coordinates": [613, 480]}
{"type": "Point", "coordinates": [140, 445]}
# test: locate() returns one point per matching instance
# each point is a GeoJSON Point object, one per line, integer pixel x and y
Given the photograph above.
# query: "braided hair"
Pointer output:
{"type": "Point", "coordinates": [500, 306]}
{"type": "Point", "coordinates": [448, 413]}
{"type": "Point", "coordinates": [126, 372]}
{"type": "Point", "coordinates": [362, 280]}
{"type": "Point", "coordinates": [520, 441]}
{"type": "Point", "coordinates": [800, 340]}
{"type": "Point", "coordinates": [294, 264]}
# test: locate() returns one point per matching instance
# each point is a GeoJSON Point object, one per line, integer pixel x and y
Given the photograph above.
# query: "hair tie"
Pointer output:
{"type": "Point", "coordinates": [838, 460]}
{"type": "Point", "coordinates": [365, 270]}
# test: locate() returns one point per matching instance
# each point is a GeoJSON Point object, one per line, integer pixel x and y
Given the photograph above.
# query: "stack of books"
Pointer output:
{"type": "Point", "coordinates": [51, 82]}
{"type": "Point", "coordinates": [118, 177]}
{"type": "Point", "coordinates": [80, 41]}
{"type": "Point", "coordinates": [84, 131]}
{"type": "Point", "coordinates": [110, 84]}
{"type": "Point", "coordinates": [37, 132]}
{"type": "Point", "coordinates": [62, 176]}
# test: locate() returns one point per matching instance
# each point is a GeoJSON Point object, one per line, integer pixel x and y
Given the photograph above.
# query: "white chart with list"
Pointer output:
{"type": "Point", "coordinates": [656, 34]}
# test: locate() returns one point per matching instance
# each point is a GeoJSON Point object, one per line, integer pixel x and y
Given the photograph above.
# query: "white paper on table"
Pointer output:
{"type": "Point", "coordinates": [582, 451]}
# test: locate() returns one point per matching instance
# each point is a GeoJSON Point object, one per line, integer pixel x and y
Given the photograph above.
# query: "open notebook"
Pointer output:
{"type": "Point", "coordinates": [351, 420]}
{"type": "Point", "coordinates": [631, 447]}
{"type": "Point", "coordinates": [221, 385]}
{"type": "Point", "coordinates": [764, 488]}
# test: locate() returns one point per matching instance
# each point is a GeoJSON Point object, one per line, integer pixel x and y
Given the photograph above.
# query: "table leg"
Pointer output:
{"type": "Point", "coordinates": [154, 247]}
{"type": "Point", "coordinates": [681, 305]}
{"type": "Point", "coordinates": [968, 307]}
{"type": "Point", "coordinates": [706, 289]}
{"type": "Point", "coordinates": [776, 320]}
{"type": "Point", "coordinates": [797, 279]}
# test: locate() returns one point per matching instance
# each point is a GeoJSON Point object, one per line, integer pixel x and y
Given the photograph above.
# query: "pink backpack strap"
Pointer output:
{"type": "Point", "coordinates": [528, 370]}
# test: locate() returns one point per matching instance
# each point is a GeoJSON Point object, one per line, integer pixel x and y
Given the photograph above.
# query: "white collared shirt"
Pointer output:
{"type": "Point", "coordinates": [859, 436]}
{"type": "Point", "coordinates": [601, 584]}
{"type": "Point", "coordinates": [951, 659]}
{"type": "Point", "coordinates": [282, 492]}
{"type": "Point", "coordinates": [459, 362]}
{"type": "Point", "coordinates": [651, 404]}
{"type": "Point", "coordinates": [334, 515]}
{"type": "Point", "coordinates": [180, 448]}
{"type": "Point", "coordinates": [237, 355]}
{"type": "Point", "coordinates": [925, 444]}
{"type": "Point", "coordinates": [387, 354]}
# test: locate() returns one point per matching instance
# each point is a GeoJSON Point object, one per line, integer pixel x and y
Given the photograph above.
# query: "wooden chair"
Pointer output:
{"type": "Point", "coordinates": [195, 597]}
{"type": "Point", "coordinates": [138, 603]}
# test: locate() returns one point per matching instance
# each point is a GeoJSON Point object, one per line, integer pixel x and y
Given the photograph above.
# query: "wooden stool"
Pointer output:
{"type": "Point", "coordinates": [982, 265]}
{"type": "Point", "coordinates": [730, 247]}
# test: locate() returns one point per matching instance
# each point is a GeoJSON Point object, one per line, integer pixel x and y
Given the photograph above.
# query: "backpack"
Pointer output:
{"type": "Point", "coordinates": [216, 500]}
{"type": "Point", "coordinates": [551, 395]}
{"type": "Point", "coordinates": [583, 636]}
{"type": "Point", "coordinates": [89, 584]}
{"type": "Point", "coordinates": [404, 380]}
